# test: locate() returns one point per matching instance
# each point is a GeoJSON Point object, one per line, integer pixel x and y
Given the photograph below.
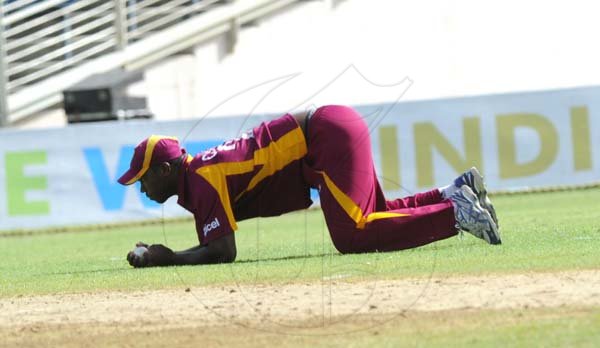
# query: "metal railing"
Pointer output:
{"type": "Point", "coordinates": [46, 37]}
{"type": "Point", "coordinates": [41, 40]}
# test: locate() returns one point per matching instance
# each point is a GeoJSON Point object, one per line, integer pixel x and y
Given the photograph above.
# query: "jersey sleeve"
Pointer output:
{"type": "Point", "coordinates": [211, 217]}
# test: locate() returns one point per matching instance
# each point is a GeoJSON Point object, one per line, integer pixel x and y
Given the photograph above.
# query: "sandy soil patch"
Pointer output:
{"type": "Point", "coordinates": [298, 309]}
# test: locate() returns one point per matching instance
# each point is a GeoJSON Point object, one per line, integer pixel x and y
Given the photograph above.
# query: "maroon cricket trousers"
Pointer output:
{"type": "Point", "coordinates": [339, 164]}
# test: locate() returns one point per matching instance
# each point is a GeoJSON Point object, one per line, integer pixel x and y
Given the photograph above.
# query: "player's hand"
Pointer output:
{"type": "Point", "coordinates": [157, 255]}
{"type": "Point", "coordinates": [141, 244]}
{"type": "Point", "coordinates": [160, 255]}
{"type": "Point", "coordinates": [138, 261]}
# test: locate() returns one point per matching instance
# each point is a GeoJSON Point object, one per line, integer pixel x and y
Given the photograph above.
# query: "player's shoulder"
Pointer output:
{"type": "Point", "coordinates": [205, 169]}
{"type": "Point", "coordinates": [197, 164]}
{"type": "Point", "coordinates": [197, 184]}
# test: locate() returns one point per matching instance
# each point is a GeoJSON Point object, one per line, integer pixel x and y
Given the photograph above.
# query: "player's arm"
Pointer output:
{"type": "Point", "coordinates": [221, 250]}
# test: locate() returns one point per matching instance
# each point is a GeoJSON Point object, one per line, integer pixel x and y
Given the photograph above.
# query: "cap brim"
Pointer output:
{"type": "Point", "coordinates": [127, 177]}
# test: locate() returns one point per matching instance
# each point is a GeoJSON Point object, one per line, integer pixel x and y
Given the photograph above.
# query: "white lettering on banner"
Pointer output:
{"type": "Point", "coordinates": [211, 226]}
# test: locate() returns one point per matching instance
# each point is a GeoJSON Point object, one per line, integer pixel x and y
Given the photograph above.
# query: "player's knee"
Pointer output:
{"type": "Point", "coordinates": [348, 247]}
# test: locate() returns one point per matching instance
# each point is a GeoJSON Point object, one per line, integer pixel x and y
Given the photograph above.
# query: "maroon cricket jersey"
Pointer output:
{"type": "Point", "coordinates": [257, 174]}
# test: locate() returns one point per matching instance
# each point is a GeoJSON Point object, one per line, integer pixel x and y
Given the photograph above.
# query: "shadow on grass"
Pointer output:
{"type": "Point", "coordinates": [120, 269]}
{"type": "Point", "coordinates": [287, 258]}
{"type": "Point", "coordinates": [272, 259]}
{"type": "Point", "coordinates": [429, 249]}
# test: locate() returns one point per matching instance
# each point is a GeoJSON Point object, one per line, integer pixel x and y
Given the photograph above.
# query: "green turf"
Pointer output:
{"type": "Point", "coordinates": [547, 327]}
{"type": "Point", "coordinates": [541, 232]}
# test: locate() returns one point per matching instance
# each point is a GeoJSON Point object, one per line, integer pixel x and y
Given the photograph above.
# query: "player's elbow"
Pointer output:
{"type": "Point", "coordinates": [226, 249]}
{"type": "Point", "coordinates": [228, 256]}
{"type": "Point", "coordinates": [229, 253]}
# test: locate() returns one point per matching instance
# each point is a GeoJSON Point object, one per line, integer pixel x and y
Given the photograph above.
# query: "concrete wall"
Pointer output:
{"type": "Point", "coordinates": [447, 48]}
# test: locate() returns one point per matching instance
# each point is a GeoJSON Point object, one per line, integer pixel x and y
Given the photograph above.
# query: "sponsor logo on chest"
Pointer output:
{"type": "Point", "coordinates": [211, 226]}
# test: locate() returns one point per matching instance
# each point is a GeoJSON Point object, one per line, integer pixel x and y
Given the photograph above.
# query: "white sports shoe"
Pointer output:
{"type": "Point", "coordinates": [470, 216]}
{"type": "Point", "coordinates": [474, 180]}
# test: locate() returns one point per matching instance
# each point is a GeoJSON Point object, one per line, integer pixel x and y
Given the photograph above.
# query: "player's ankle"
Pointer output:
{"type": "Point", "coordinates": [448, 191]}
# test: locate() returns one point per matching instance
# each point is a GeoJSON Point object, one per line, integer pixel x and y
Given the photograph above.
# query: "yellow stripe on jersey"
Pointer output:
{"type": "Point", "coordinates": [353, 210]}
{"type": "Point", "coordinates": [216, 175]}
{"type": "Point", "coordinates": [277, 155]}
{"type": "Point", "coordinates": [150, 145]}
{"type": "Point", "coordinates": [273, 157]}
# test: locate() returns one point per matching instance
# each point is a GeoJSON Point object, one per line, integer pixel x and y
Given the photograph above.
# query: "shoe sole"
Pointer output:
{"type": "Point", "coordinates": [481, 192]}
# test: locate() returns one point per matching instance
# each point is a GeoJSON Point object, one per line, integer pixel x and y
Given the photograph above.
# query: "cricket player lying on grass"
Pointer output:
{"type": "Point", "coordinates": [269, 171]}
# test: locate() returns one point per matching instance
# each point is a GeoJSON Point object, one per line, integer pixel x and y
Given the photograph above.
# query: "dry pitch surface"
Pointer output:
{"type": "Point", "coordinates": [291, 315]}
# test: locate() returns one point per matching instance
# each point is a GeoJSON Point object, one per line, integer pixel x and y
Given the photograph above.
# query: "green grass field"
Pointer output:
{"type": "Point", "coordinates": [542, 232]}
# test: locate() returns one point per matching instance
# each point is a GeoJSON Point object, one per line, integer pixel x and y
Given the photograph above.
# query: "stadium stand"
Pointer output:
{"type": "Point", "coordinates": [48, 46]}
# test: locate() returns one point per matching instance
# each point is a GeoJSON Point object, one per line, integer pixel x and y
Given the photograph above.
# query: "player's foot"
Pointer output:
{"type": "Point", "coordinates": [470, 216]}
{"type": "Point", "coordinates": [474, 180]}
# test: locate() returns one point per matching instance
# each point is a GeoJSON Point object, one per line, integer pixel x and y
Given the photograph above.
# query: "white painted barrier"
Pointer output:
{"type": "Point", "coordinates": [67, 176]}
